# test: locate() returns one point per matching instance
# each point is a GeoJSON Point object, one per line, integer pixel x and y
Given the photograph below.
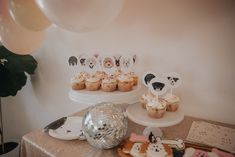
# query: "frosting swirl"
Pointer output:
{"type": "Point", "coordinates": [170, 98]}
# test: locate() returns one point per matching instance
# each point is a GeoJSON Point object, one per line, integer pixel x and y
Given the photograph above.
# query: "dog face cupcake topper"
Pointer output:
{"type": "Point", "coordinates": [158, 86]}
{"type": "Point", "coordinates": [73, 61]}
{"type": "Point", "coordinates": [174, 80]}
{"type": "Point", "coordinates": [108, 64]}
{"type": "Point", "coordinates": [126, 63]}
{"type": "Point", "coordinates": [82, 60]}
{"type": "Point", "coordinates": [117, 58]}
{"type": "Point", "coordinates": [91, 64]}
{"type": "Point", "coordinates": [147, 77]}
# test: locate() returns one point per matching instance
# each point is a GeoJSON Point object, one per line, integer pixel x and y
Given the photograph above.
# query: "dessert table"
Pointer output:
{"type": "Point", "coordinates": [39, 144]}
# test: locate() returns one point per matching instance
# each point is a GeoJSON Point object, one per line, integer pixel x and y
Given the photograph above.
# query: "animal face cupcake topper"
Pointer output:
{"type": "Point", "coordinates": [117, 58]}
{"type": "Point", "coordinates": [174, 80]}
{"type": "Point", "coordinates": [108, 64]}
{"type": "Point", "coordinates": [126, 63]}
{"type": "Point", "coordinates": [73, 61]}
{"type": "Point", "coordinates": [82, 60]}
{"type": "Point", "coordinates": [158, 86]}
{"type": "Point", "coordinates": [147, 77]}
{"type": "Point", "coordinates": [91, 64]}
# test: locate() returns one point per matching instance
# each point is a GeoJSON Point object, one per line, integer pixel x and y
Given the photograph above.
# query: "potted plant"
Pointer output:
{"type": "Point", "coordinates": [13, 69]}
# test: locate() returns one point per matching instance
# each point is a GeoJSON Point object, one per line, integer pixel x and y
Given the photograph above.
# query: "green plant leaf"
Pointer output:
{"type": "Point", "coordinates": [18, 63]}
{"type": "Point", "coordinates": [12, 71]}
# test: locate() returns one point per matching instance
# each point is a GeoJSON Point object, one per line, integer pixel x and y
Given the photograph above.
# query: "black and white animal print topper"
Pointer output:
{"type": "Point", "coordinates": [174, 79]}
{"type": "Point", "coordinates": [108, 64]}
{"type": "Point", "coordinates": [147, 77]}
{"type": "Point", "coordinates": [92, 64]}
{"type": "Point", "coordinates": [73, 61]}
{"type": "Point", "coordinates": [82, 60]}
{"type": "Point", "coordinates": [117, 58]}
{"type": "Point", "coordinates": [126, 63]}
{"type": "Point", "coordinates": [158, 86]}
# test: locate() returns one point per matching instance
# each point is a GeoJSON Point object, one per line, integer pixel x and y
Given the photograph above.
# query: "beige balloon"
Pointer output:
{"type": "Point", "coordinates": [27, 14]}
{"type": "Point", "coordinates": [80, 15]}
{"type": "Point", "coordinates": [16, 38]}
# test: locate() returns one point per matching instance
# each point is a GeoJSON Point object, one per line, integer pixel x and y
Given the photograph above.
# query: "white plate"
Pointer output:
{"type": "Point", "coordinates": [70, 130]}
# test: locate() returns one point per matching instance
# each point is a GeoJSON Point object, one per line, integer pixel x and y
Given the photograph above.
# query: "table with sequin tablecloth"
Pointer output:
{"type": "Point", "coordinates": [39, 144]}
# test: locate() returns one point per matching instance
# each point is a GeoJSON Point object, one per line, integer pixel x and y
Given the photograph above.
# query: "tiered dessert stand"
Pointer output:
{"type": "Point", "coordinates": [139, 115]}
{"type": "Point", "coordinates": [134, 111]}
{"type": "Point", "coordinates": [94, 97]}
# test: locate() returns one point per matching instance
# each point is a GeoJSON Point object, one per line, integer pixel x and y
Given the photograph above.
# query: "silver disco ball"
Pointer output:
{"type": "Point", "coordinates": [104, 125]}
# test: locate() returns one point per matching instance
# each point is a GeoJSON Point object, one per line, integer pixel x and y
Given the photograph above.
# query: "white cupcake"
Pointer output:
{"type": "Point", "coordinates": [84, 74]}
{"type": "Point", "coordinates": [135, 78]}
{"type": "Point", "coordinates": [100, 74]}
{"type": "Point", "coordinates": [125, 83]}
{"type": "Point", "coordinates": [109, 84]}
{"type": "Point", "coordinates": [93, 83]}
{"type": "Point", "coordinates": [145, 98]}
{"type": "Point", "coordinates": [172, 102]}
{"type": "Point", "coordinates": [77, 83]}
{"type": "Point", "coordinates": [156, 108]}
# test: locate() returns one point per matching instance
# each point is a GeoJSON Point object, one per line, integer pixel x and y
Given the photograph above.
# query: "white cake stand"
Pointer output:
{"type": "Point", "coordinates": [93, 97]}
{"type": "Point", "coordinates": [139, 115]}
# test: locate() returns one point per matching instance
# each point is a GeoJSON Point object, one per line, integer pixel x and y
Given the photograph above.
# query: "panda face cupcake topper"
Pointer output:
{"type": "Point", "coordinates": [174, 80]}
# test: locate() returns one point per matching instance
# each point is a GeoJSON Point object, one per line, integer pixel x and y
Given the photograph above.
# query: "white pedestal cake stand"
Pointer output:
{"type": "Point", "coordinates": [94, 97]}
{"type": "Point", "coordinates": [139, 115]}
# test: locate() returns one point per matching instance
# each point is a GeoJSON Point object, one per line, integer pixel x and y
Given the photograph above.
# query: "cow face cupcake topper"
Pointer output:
{"type": "Point", "coordinates": [126, 63]}
{"type": "Point", "coordinates": [108, 64]}
{"type": "Point", "coordinates": [158, 86]}
{"type": "Point", "coordinates": [174, 80]}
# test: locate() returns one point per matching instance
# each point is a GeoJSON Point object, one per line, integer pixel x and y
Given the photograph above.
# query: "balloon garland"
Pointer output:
{"type": "Point", "coordinates": [22, 23]}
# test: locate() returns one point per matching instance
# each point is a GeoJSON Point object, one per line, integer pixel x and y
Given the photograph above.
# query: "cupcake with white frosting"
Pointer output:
{"type": "Point", "coordinates": [117, 73]}
{"type": "Point", "coordinates": [109, 84]}
{"type": "Point", "coordinates": [100, 74]}
{"type": "Point", "coordinates": [125, 83]}
{"type": "Point", "coordinates": [77, 82]}
{"type": "Point", "coordinates": [135, 78]}
{"type": "Point", "coordinates": [93, 83]}
{"type": "Point", "coordinates": [84, 74]}
{"type": "Point", "coordinates": [156, 108]}
{"type": "Point", "coordinates": [172, 102]}
{"type": "Point", "coordinates": [145, 98]}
